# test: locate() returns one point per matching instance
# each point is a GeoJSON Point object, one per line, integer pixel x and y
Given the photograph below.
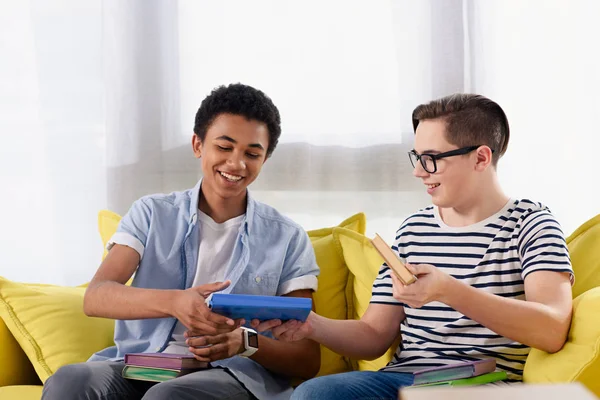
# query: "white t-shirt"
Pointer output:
{"type": "Point", "coordinates": [214, 253]}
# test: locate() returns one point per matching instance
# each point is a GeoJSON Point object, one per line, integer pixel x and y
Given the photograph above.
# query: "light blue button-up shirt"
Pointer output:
{"type": "Point", "coordinates": [272, 256]}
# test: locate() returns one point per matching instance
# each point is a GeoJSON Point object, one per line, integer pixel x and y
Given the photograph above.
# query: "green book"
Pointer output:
{"type": "Point", "coordinates": [153, 374]}
{"type": "Point", "coordinates": [476, 380]}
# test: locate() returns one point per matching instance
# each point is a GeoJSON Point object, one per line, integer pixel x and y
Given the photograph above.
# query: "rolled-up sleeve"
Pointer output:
{"type": "Point", "coordinates": [133, 228]}
{"type": "Point", "coordinates": [300, 269]}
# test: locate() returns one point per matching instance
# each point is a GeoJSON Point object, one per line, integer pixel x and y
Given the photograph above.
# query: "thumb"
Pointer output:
{"type": "Point", "coordinates": [209, 288]}
{"type": "Point", "coordinates": [418, 269]}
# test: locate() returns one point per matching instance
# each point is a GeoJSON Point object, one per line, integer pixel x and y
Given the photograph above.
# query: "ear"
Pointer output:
{"type": "Point", "coordinates": [197, 145]}
{"type": "Point", "coordinates": [484, 158]}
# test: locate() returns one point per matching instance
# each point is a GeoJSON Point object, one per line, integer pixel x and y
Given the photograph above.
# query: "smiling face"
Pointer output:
{"type": "Point", "coordinates": [232, 154]}
{"type": "Point", "coordinates": [456, 177]}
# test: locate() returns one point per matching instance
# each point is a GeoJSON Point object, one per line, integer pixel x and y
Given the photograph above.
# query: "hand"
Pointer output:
{"type": "Point", "coordinates": [190, 309]}
{"type": "Point", "coordinates": [262, 326]}
{"type": "Point", "coordinates": [226, 328]}
{"type": "Point", "coordinates": [294, 330]}
{"type": "Point", "coordinates": [218, 347]}
{"type": "Point", "coordinates": [432, 285]}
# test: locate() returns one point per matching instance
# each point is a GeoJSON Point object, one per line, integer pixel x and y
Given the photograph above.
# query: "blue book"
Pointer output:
{"type": "Point", "coordinates": [263, 308]}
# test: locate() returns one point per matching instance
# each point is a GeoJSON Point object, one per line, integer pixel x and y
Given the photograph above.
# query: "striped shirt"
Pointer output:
{"type": "Point", "coordinates": [494, 255]}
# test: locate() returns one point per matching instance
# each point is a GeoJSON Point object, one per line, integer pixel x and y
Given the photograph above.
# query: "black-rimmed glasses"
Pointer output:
{"type": "Point", "coordinates": [428, 161]}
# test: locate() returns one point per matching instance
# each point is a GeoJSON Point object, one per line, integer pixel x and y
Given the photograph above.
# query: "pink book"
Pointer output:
{"type": "Point", "coordinates": [164, 360]}
{"type": "Point", "coordinates": [467, 369]}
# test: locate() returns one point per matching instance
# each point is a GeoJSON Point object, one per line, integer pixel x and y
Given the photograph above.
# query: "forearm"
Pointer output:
{"type": "Point", "coordinates": [534, 324]}
{"type": "Point", "coordinates": [113, 300]}
{"type": "Point", "coordinates": [351, 338]}
{"type": "Point", "coordinates": [275, 356]}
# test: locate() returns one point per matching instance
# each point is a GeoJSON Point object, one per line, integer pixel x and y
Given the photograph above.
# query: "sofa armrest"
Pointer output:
{"type": "Point", "coordinates": [15, 368]}
{"type": "Point", "coordinates": [579, 359]}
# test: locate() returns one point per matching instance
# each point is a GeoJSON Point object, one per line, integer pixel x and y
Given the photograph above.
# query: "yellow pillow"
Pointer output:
{"type": "Point", "coordinates": [21, 392]}
{"type": "Point", "coordinates": [584, 249]}
{"type": "Point", "coordinates": [579, 359]}
{"type": "Point", "coordinates": [108, 222]}
{"type": "Point", "coordinates": [15, 368]}
{"type": "Point", "coordinates": [49, 324]}
{"type": "Point", "coordinates": [331, 299]}
{"type": "Point", "coordinates": [364, 262]}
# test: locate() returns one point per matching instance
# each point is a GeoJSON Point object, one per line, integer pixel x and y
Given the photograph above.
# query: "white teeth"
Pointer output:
{"type": "Point", "coordinates": [232, 178]}
{"type": "Point", "coordinates": [433, 186]}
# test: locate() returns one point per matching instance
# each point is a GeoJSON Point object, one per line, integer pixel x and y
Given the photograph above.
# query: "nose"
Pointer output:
{"type": "Point", "coordinates": [236, 161]}
{"type": "Point", "coordinates": [419, 171]}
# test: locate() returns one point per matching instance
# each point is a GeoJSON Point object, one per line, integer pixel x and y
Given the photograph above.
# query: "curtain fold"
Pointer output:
{"type": "Point", "coordinates": [98, 98]}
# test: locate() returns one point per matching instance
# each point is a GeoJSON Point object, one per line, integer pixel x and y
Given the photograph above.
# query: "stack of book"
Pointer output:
{"type": "Point", "coordinates": [469, 373]}
{"type": "Point", "coordinates": [159, 367]}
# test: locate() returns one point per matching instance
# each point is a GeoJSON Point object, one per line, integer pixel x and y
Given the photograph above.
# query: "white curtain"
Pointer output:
{"type": "Point", "coordinates": [97, 103]}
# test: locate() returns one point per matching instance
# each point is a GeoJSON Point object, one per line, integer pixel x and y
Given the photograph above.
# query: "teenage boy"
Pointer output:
{"type": "Point", "coordinates": [185, 245]}
{"type": "Point", "coordinates": [494, 275]}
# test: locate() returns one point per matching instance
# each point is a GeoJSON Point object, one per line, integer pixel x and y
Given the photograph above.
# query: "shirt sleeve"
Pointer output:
{"type": "Point", "coordinates": [133, 228]}
{"type": "Point", "coordinates": [300, 267]}
{"type": "Point", "coordinates": [542, 245]}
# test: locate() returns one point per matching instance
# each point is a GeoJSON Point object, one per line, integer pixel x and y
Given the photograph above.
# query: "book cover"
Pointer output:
{"type": "Point", "coordinates": [392, 260]}
{"type": "Point", "coordinates": [164, 360]}
{"type": "Point", "coordinates": [153, 374]}
{"type": "Point", "coordinates": [473, 381]}
{"type": "Point", "coordinates": [462, 370]}
{"type": "Point", "coordinates": [263, 308]}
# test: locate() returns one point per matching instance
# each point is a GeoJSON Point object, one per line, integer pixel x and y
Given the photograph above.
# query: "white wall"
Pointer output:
{"type": "Point", "coordinates": [540, 60]}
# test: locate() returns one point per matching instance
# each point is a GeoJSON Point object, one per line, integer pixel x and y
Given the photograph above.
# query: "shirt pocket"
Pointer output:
{"type": "Point", "coordinates": [258, 283]}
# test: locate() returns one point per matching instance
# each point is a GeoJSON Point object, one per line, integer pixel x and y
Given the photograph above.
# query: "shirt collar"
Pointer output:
{"type": "Point", "coordinates": [250, 206]}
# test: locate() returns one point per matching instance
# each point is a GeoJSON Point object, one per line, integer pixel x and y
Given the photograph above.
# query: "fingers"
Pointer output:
{"type": "Point", "coordinates": [200, 327]}
{"type": "Point", "coordinates": [212, 353]}
{"type": "Point", "coordinates": [288, 331]}
{"type": "Point", "coordinates": [219, 330]}
{"type": "Point", "coordinates": [209, 348]}
{"type": "Point", "coordinates": [265, 325]}
{"type": "Point", "coordinates": [202, 341]}
{"type": "Point", "coordinates": [419, 269]}
{"type": "Point", "coordinates": [207, 289]}
{"type": "Point", "coordinates": [218, 319]}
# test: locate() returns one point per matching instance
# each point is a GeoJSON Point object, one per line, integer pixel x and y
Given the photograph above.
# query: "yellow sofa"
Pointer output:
{"type": "Point", "coordinates": [42, 327]}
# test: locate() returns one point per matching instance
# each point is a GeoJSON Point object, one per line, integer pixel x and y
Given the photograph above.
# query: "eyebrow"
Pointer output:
{"type": "Point", "coordinates": [429, 151]}
{"type": "Point", "coordinates": [232, 140]}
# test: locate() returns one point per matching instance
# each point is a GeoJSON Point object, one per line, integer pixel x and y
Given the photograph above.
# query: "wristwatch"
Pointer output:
{"type": "Point", "coordinates": [250, 341]}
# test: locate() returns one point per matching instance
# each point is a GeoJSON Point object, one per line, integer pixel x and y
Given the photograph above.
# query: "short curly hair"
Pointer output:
{"type": "Point", "coordinates": [239, 99]}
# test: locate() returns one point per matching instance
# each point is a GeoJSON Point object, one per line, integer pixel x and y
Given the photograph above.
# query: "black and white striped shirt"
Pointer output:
{"type": "Point", "coordinates": [494, 255]}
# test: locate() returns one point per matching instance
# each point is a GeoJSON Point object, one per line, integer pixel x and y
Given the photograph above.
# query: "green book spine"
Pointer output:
{"type": "Point", "coordinates": [149, 374]}
{"type": "Point", "coordinates": [476, 380]}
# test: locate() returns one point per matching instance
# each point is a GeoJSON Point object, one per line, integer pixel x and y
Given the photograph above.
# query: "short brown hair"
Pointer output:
{"type": "Point", "coordinates": [471, 120]}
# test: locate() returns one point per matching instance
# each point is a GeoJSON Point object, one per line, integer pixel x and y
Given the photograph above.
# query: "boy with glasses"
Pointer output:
{"type": "Point", "coordinates": [494, 275]}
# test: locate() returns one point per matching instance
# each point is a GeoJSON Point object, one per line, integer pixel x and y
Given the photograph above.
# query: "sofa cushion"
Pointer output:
{"type": "Point", "coordinates": [579, 360]}
{"type": "Point", "coordinates": [363, 262]}
{"type": "Point", "coordinates": [49, 324]}
{"type": "Point", "coordinates": [15, 368]}
{"type": "Point", "coordinates": [25, 392]}
{"type": "Point", "coordinates": [331, 299]}
{"type": "Point", "coordinates": [108, 222]}
{"type": "Point", "coordinates": [584, 249]}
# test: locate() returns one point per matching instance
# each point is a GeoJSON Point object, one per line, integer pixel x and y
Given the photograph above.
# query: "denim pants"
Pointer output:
{"type": "Point", "coordinates": [363, 385]}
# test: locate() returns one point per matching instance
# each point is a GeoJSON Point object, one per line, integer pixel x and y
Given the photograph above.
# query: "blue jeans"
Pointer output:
{"type": "Point", "coordinates": [363, 385]}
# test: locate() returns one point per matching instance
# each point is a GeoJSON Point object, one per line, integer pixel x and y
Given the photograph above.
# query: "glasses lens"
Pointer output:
{"type": "Point", "coordinates": [428, 163]}
{"type": "Point", "coordinates": [413, 158]}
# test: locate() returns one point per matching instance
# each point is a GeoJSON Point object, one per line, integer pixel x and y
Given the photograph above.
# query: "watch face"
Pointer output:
{"type": "Point", "coordinates": [253, 339]}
